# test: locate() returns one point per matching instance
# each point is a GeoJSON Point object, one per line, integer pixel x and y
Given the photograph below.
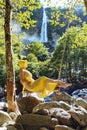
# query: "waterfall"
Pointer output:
{"type": "Point", "coordinates": [44, 27]}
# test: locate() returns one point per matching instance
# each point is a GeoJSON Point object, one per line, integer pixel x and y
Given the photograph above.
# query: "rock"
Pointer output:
{"type": "Point", "coordinates": [46, 105]}
{"type": "Point", "coordinates": [10, 127]}
{"type": "Point", "coordinates": [41, 111]}
{"type": "Point", "coordinates": [81, 102]}
{"type": "Point", "coordinates": [63, 116]}
{"type": "Point", "coordinates": [80, 93]}
{"type": "Point", "coordinates": [64, 105]}
{"type": "Point", "coordinates": [43, 128]}
{"type": "Point", "coordinates": [18, 126]}
{"type": "Point", "coordinates": [85, 128]}
{"type": "Point", "coordinates": [79, 114]}
{"type": "Point", "coordinates": [63, 127]}
{"type": "Point", "coordinates": [13, 115]}
{"type": "Point", "coordinates": [31, 128]}
{"type": "Point", "coordinates": [35, 120]}
{"type": "Point", "coordinates": [62, 97]}
{"type": "Point", "coordinates": [4, 118]}
{"type": "Point", "coordinates": [28, 103]}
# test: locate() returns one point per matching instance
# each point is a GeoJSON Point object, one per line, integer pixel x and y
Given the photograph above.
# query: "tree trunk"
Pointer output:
{"type": "Point", "coordinates": [85, 2]}
{"type": "Point", "coordinates": [12, 105]}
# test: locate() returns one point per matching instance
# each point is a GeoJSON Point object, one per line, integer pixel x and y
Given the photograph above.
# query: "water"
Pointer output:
{"type": "Point", "coordinates": [44, 27]}
{"type": "Point", "coordinates": [16, 28]}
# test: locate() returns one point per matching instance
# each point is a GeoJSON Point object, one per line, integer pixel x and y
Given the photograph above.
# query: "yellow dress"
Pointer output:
{"type": "Point", "coordinates": [43, 86]}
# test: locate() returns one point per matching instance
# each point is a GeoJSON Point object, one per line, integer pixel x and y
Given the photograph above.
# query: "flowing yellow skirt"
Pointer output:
{"type": "Point", "coordinates": [43, 86]}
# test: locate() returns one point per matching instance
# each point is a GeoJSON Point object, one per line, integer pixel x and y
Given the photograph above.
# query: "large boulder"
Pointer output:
{"type": "Point", "coordinates": [36, 120]}
{"type": "Point", "coordinates": [41, 112]}
{"type": "Point", "coordinates": [62, 97]}
{"type": "Point", "coordinates": [63, 116]}
{"type": "Point", "coordinates": [81, 102]}
{"type": "Point", "coordinates": [79, 114]}
{"type": "Point", "coordinates": [46, 105]}
{"type": "Point", "coordinates": [64, 105]}
{"type": "Point", "coordinates": [28, 103]}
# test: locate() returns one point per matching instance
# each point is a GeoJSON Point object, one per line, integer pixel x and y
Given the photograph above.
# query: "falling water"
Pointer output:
{"type": "Point", "coordinates": [44, 27]}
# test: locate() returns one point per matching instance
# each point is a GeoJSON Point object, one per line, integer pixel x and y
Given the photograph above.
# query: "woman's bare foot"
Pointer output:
{"type": "Point", "coordinates": [63, 84]}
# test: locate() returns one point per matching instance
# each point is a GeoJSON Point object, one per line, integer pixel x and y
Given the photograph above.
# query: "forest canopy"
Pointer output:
{"type": "Point", "coordinates": [45, 62]}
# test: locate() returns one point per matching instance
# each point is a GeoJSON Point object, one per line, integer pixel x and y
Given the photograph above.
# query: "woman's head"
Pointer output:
{"type": "Point", "coordinates": [23, 64]}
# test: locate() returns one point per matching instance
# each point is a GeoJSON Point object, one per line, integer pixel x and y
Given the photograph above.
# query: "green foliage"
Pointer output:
{"type": "Point", "coordinates": [39, 50]}
{"type": "Point", "coordinates": [38, 58]}
{"type": "Point", "coordinates": [38, 55]}
{"type": "Point", "coordinates": [62, 18]}
{"type": "Point", "coordinates": [56, 16]}
{"type": "Point", "coordinates": [75, 53]}
{"type": "Point", "coordinates": [2, 53]}
{"type": "Point", "coordinates": [2, 76]}
{"type": "Point", "coordinates": [22, 12]}
{"type": "Point", "coordinates": [40, 68]}
{"type": "Point", "coordinates": [32, 58]}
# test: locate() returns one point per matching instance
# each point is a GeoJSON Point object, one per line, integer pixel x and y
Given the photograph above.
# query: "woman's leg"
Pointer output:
{"type": "Point", "coordinates": [62, 84]}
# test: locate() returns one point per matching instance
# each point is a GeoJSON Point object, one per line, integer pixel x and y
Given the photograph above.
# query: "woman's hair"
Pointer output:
{"type": "Point", "coordinates": [23, 63]}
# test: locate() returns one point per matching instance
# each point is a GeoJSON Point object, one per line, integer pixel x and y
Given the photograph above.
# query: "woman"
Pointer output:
{"type": "Point", "coordinates": [43, 86]}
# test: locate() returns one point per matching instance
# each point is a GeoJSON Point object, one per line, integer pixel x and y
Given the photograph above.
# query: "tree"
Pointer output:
{"type": "Point", "coordinates": [39, 50]}
{"type": "Point", "coordinates": [22, 12]}
{"type": "Point", "coordinates": [38, 57]}
{"type": "Point", "coordinates": [12, 104]}
{"type": "Point", "coordinates": [85, 2]}
{"type": "Point", "coordinates": [75, 52]}
{"type": "Point", "coordinates": [21, 8]}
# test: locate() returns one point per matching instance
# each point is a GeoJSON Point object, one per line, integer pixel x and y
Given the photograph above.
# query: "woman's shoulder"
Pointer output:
{"type": "Point", "coordinates": [27, 72]}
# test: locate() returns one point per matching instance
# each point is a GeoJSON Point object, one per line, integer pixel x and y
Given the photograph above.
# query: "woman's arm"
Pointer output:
{"type": "Point", "coordinates": [22, 77]}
